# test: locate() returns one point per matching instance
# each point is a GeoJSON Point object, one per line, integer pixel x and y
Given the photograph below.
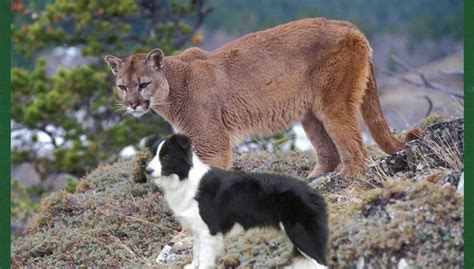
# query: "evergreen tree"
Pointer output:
{"type": "Point", "coordinates": [75, 107]}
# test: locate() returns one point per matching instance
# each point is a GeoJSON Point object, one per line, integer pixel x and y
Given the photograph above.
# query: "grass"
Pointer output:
{"type": "Point", "coordinates": [437, 154]}
{"type": "Point", "coordinates": [108, 221]}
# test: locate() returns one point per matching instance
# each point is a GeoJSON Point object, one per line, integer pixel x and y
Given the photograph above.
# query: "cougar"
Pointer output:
{"type": "Point", "coordinates": [314, 71]}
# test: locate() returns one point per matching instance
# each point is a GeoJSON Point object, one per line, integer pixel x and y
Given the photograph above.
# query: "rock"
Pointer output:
{"type": "Point", "coordinates": [460, 188]}
{"type": "Point", "coordinates": [164, 254]}
{"type": "Point", "coordinates": [402, 264]}
{"type": "Point", "coordinates": [56, 182]}
{"type": "Point", "coordinates": [128, 152]}
{"type": "Point", "coordinates": [440, 148]}
{"type": "Point", "coordinates": [177, 250]}
{"type": "Point", "coordinates": [360, 263]}
{"type": "Point", "coordinates": [26, 174]}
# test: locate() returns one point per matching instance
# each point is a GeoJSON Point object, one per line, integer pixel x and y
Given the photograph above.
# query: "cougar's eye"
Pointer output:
{"type": "Point", "coordinates": [143, 85]}
{"type": "Point", "coordinates": [123, 88]}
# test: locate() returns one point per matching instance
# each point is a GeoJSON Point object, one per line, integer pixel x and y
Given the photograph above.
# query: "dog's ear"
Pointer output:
{"type": "Point", "coordinates": [152, 142]}
{"type": "Point", "coordinates": [183, 141]}
{"type": "Point", "coordinates": [155, 146]}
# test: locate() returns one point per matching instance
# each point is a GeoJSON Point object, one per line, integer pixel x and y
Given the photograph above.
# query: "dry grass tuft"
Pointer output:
{"type": "Point", "coordinates": [139, 164]}
{"type": "Point", "coordinates": [437, 154]}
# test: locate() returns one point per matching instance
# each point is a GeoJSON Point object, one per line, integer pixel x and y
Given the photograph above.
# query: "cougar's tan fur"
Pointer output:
{"type": "Point", "coordinates": [314, 71]}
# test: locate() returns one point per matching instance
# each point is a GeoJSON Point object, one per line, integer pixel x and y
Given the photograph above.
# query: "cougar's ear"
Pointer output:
{"type": "Point", "coordinates": [114, 63]}
{"type": "Point", "coordinates": [155, 58]}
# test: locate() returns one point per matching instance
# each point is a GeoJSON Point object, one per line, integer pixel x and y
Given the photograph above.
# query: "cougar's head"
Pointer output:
{"type": "Point", "coordinates": [140, 81]}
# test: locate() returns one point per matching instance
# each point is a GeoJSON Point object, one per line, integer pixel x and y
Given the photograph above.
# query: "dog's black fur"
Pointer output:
{"type": "Point", "coordinates": [261, 200]}
{"type": "Point", "coordinates": [175, 156]}
{"type": "Point", "coordinates": [227, 198]}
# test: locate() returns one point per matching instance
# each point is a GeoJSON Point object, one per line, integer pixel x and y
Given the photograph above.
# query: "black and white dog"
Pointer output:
{"type": "Point", "coordinates": [213, 203]}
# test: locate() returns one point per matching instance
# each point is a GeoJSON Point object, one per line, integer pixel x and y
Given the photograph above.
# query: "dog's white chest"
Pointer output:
{"type": "Point", "coordinates": [188, 216]}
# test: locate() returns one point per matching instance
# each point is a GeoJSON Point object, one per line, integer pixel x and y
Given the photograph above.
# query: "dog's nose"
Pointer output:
{"type": "Point", "coordinates": [149, 171]}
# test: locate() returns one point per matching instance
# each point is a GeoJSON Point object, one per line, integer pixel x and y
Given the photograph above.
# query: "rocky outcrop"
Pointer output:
{"type": "Point", "coordinates": [418, 224]}
{"type": "Point", "coordinates": [404, 211]}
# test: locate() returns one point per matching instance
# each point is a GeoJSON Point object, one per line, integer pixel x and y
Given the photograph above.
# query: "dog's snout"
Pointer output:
{"type": "Point", "coordinates": [149, 171]}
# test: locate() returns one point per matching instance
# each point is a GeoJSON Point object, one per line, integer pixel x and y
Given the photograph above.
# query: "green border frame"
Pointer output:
{"type": "Point", "coordinates": [5, 224]}
{"type": "Point", "coordinates": [5, 134]}
{"type": "Point", "coordinates": [468, 136]}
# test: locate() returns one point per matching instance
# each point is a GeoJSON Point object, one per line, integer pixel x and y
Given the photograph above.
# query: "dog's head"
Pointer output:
{"type": "Point", "coordinates": [172, 159]}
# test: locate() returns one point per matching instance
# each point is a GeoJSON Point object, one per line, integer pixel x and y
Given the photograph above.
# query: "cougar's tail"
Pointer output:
{"type": "Point", "coordinates": [375, 121]}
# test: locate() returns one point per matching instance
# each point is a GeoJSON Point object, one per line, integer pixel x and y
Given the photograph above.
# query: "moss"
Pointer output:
{"type": "Point", "coordinates": [414, 221]}
{"type": "Point", "coordinates": [431, 119]}
{"type": "Point", "coordinates": [22, 205]}
{"type": "Point", "coordinates": [83, 186]}
{"type": "Point", "coordinates": [296, 164]}
{"type": "Point", "coordinates": [71, 184]}
{"type": "Point", "coordinates": [256, 249]}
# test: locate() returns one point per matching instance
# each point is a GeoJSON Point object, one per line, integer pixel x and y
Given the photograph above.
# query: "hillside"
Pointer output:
{"type": "Point", "coordinates": [405, 210]}
{"type": "Point", "coordinates": [402, 102]}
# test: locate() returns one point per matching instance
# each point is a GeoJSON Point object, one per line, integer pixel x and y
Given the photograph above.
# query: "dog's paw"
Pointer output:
{"type": "Point", "coordinates": [190, 266]}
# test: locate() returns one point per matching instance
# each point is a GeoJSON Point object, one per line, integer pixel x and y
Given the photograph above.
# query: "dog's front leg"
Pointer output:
{"type": "Point", "coordinates": [195, 263]}
{"type": "Point", "coordinates": [210, 246]}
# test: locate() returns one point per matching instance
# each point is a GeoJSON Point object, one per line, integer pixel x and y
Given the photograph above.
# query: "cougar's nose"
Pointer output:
{"type": "Point", "coordinates": [149, 171]}
{"type": "Point", "coordinates": [133, 105]}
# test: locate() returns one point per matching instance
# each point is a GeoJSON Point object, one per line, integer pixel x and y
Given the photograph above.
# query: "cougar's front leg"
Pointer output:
{"type": "Point", "coordinates": [214, 148]}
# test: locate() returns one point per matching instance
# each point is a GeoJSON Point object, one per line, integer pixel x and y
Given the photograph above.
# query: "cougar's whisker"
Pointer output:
{"type": "Point", "coordinates": [158, 103]}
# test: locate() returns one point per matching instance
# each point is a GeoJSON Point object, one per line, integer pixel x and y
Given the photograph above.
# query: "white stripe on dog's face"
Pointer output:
{"type": "Point", "coordinates": [155, 163]}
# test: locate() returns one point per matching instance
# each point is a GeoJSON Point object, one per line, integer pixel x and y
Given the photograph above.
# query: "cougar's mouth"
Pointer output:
{"type": "Point", "coordinates": [140, 110]}
{"type": "Point", "coordinates": [138, 113]}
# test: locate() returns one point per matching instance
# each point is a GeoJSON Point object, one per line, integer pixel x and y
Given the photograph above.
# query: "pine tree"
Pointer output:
{"type": "Point", "coordinates": [75, 107]}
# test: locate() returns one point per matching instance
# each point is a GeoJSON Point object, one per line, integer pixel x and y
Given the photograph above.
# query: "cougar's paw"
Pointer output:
{"type": "Point", "coordinates": [320, 175]}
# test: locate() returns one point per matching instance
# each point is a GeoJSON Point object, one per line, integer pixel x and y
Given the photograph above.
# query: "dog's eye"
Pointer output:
{"type": "Point", "coordinates": [143, 85]}
{"type": "Point", "coordinates": [123, 88]}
